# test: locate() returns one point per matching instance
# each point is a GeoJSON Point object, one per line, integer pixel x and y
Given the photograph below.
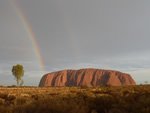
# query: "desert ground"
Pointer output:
{"type": "Point", "coordinates": [128, 99]}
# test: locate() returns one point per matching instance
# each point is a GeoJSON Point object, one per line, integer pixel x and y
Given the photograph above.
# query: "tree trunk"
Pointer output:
{"type": "Point", "coordinates": [17, 82]}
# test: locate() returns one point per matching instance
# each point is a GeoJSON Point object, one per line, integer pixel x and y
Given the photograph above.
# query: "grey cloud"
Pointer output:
{"type": "Point", "coordinates": [111, 34]}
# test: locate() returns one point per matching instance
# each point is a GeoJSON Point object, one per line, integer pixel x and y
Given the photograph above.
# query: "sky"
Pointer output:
{"type": "Point", "coordinates": [51, 35]}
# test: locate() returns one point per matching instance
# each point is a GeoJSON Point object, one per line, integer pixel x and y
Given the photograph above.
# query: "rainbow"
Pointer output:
{"type": "Point", "coordinates": [31, 34]}
{"type": "Point", "coordinates": [68, 29]}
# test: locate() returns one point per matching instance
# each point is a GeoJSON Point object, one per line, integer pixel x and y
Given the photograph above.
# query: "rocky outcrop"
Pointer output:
{"type": "Point", "coordinates": [86, 77]}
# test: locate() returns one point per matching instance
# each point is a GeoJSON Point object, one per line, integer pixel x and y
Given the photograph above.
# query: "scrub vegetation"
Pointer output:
{"type": "Point", "coordinates": [129, 99]}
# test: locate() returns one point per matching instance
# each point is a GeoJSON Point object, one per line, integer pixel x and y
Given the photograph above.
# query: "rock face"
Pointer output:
{"type": "Point", "coordinates": [86, 77]}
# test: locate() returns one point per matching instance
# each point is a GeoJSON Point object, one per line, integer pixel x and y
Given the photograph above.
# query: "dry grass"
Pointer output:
{"type": "Point", "coordinates": [131, 99]}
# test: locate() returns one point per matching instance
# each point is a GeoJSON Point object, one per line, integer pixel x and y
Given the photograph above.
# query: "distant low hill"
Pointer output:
{"type": "Point", "coordinates": [86, 77]}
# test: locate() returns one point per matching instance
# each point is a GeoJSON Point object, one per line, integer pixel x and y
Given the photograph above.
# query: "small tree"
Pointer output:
{"type": "Point", "coordinates": [18, 72]}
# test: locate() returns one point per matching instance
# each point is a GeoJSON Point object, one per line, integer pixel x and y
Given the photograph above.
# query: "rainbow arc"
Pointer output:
{"type": "Point", "coordinates": [31, 35]}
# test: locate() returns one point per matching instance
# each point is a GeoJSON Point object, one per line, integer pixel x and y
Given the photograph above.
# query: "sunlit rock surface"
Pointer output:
{"type": "Point", "coordinates": [86, 77]}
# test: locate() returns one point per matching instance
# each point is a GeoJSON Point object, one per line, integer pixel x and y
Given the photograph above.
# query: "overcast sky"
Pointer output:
{"type": "Point", "coordinates": [73, 34]}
